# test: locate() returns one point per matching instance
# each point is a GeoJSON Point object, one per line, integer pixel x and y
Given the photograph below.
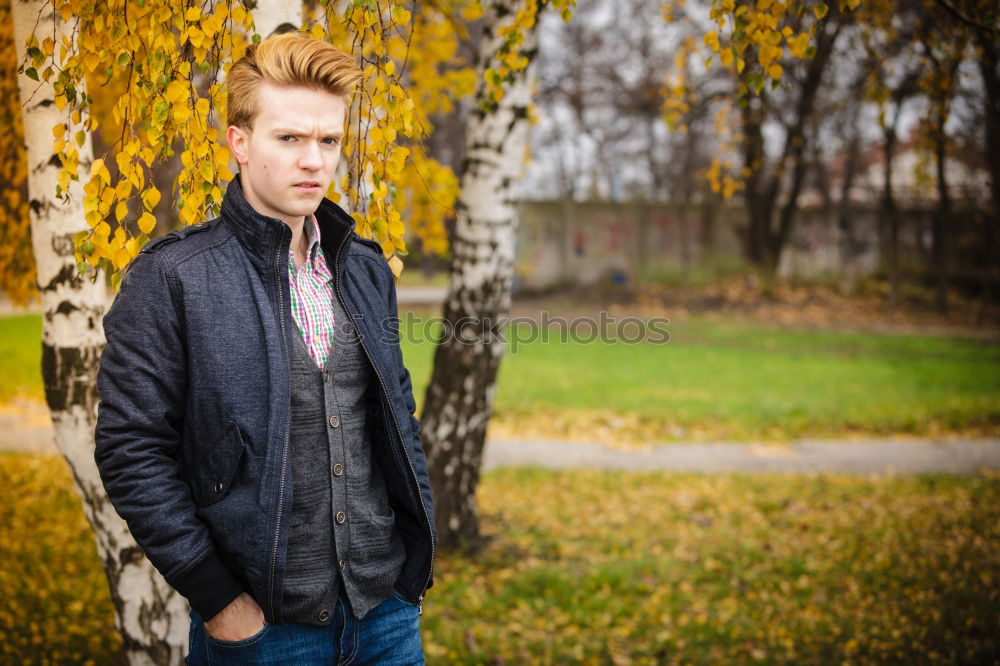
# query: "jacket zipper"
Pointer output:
{"type": "Point", "coordinates": [284, 455]}
{"type": "Point", "coordinates": [392, 412]}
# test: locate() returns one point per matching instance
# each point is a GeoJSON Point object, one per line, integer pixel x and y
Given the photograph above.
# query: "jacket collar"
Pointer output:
{"type": "Point", "coordinates": [266, 239]}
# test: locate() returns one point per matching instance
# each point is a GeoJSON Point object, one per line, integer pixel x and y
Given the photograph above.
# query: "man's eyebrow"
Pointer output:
{"type": "Point", "coordinates": [302, 132]}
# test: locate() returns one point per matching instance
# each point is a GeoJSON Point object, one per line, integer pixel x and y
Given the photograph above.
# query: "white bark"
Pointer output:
{"type": "Point", "coordinates": [151, 617]}
{"type": "Point", "coordinates": [269, 16]}
{"type": "Point", "coordinates": [495, 144]}
{"type": "Point", "coordinates": [460, 395]}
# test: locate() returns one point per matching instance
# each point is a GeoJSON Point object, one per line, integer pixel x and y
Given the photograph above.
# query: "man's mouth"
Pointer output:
{"type": "Point", "coordinates": [307, 185]}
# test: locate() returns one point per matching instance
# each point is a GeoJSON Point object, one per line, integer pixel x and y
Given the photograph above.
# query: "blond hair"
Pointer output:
{"type": "Point", "coordinates": [287, 59]}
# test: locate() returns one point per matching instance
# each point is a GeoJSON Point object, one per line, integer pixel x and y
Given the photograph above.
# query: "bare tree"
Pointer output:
{"type": "Point", "coordinates": [772, 189]}
{"type": "Point", "coordinates": [895, 74]}
{"type": "Point", "coordinates": [944, 51]}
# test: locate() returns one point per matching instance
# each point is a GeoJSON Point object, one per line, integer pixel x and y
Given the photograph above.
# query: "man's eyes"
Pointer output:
{"type": "Point", "coordinates": [329, 140]}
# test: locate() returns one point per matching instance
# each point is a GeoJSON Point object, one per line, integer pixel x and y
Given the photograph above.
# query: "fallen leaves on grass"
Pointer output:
{"type": "Point", "coordinates": [595, 567]}
{"type": "Point", "coordinates": [56, 608]}
{"type": "Point", "coordinates": [631, 431]}
{"type": "Point", "coordinates": [818, 305]}
{"type": "Point", "coordinates": [620, 430]}
{"type": "Point", "coordinates": [615, 429]}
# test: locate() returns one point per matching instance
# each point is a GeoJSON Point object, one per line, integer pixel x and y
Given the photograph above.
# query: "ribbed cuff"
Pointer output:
{"type": "Point", "coordinates": [209, 586]}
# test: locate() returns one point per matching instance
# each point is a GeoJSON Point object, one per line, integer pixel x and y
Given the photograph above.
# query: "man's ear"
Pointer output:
{"type": "Point", "coordinates": [239, 143]}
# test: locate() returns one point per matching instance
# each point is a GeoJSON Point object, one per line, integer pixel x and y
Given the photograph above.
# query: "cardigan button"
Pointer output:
{"type": "Point", "coordinates": [341, 517]}
{"type": "Point", "coordinates": [334, 421]}
{"type": "Point", "coordinates": [323, 616]}
{"type": "Point", "coordinates": [338, 469]}
{"type": "Point", "coordinates": [218, 487]}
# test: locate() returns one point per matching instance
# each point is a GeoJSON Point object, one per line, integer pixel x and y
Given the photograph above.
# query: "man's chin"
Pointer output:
{"type": "Point", "coordinates": [306, 192]}
{"type": "Point", "coordinates": [305, 205]}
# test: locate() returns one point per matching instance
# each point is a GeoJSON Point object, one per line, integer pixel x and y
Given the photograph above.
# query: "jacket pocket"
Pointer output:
{"type": "Point", "coordinates": [213, 473]}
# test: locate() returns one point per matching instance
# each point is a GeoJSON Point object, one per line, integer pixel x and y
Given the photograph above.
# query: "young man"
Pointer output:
{"type": "Point", "coordinates": [257, 426]}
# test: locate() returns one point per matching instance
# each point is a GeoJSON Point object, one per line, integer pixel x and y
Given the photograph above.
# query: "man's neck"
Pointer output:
{"type": "Point", "coordinates": [300, 242]}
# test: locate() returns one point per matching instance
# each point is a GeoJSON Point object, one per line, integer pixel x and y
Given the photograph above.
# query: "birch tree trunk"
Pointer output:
{"type": "Point", "coordinates": [459, 398]}
{"type": "Point", "coordinates": [151, 616]}
{"type": "Point", "coordinates": [271, 17]}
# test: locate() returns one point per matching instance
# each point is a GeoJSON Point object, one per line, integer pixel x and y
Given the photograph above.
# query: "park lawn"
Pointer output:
{"type": "Point", "coordinates": [741, 380]}
{"type": "Point", "coordinates": [595, 567]}
{"type": "Point", "coordinates": [736, 380]}
{"type": "Point", "coordinates": [21, 354]}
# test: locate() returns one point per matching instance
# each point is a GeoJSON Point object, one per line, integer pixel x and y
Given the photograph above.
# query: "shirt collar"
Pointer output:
{"type": "Point", "coordinates": [311, 230]}
{"type": "Point", "coordinates": [262, 236]}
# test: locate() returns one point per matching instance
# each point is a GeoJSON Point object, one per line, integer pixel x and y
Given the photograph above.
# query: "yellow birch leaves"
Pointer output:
{"type": "Point", "coordinates": [148, 68]}
{"type": "Point", "coordinates": [147, 76]}
{"type": "Point", "coordinates": [761, 34]}
{"type": "Point", "coordinates": [750, 40]}
{"type": "Point", "coordinates": [17, 265]}
{"type": "Point", "coordinates": [510, 58]}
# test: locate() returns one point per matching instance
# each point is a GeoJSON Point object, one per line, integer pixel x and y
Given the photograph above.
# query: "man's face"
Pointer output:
{"type": "Point", "coordinates": [288, 159]}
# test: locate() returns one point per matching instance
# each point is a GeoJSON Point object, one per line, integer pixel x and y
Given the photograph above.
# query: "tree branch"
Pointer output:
{"type": "Point", "coordinates": [962, 18]}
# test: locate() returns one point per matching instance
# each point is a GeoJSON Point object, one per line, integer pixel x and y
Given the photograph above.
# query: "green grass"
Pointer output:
{"type": "Point", "coordinates": [615, 568]}
{"type": "Point", "coordinates": [414, 277]}
{"type": "Point", "coordinates": [21, 353]}
{"type": "Point", "coordinates": [744, 380]}
{"type": "Point", "coordinates": [749, 380]}
{"type": "Point", "coordinates": [700, 275]}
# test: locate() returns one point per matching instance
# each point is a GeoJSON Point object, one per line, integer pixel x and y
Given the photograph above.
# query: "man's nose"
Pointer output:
{"type": "Point", "coordinates": [310, 157]}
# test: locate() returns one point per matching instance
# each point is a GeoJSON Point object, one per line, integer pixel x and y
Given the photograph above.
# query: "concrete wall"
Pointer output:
{"type": "Point", "coordinates": [562, 242]}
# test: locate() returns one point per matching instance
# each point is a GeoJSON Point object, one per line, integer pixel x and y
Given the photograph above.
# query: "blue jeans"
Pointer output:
{"type": "Point", "coordinates": [389, 634]}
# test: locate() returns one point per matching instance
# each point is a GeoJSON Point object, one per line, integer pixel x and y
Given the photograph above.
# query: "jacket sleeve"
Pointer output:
{"type": "Point", "coordinates": [406, 387]}
{"type": "Point", "coordinates": [142, 383]}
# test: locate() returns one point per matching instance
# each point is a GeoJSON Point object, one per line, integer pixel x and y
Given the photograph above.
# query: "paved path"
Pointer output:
{"type": "Point", "coordinates": [25, 426]}
{"type": "Point", "coordinates": [420, 295]}
{"type": "Point", "coordinates": [863, 457]}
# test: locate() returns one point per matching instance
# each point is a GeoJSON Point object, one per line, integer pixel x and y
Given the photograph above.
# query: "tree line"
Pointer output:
{"type": "Point", "coordinates": [689, 109]}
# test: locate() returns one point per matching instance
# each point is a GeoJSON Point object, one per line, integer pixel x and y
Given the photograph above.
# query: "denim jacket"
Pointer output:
{"type": "Point", "coordinates": [192, 439]}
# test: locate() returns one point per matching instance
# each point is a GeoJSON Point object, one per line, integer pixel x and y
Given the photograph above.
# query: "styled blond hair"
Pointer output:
{"type": "Point", "coordinates": [287, 59]}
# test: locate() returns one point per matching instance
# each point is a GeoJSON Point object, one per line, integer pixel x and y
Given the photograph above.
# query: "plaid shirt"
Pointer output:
{"type": "Point", "coordinates": [311, 286]}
